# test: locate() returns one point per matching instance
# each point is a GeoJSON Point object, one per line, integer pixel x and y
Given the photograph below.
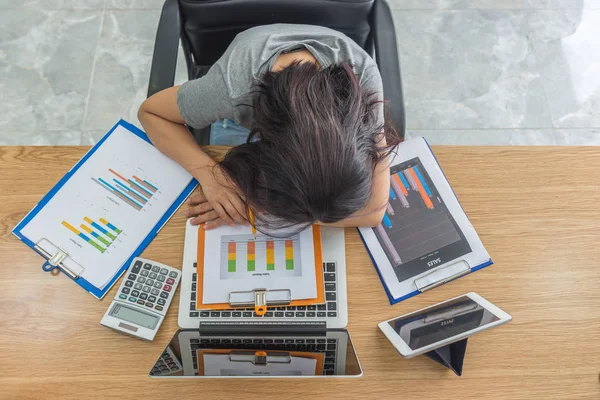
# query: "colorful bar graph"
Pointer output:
{"type": "Point", "coordinates": [143, 190]}
{"type": "Point", "coordinates": [389, 209]}
{"type": "Point", "coordinates": [400, 184]}
{"type": "Point", "coordinates": [392, 194]}
{"type": "Point", "coordinates": [146, 184]}
{"type": "Point", "coordinates": [423, 181]}
{"type": "Point", "coordinates": [388, 245]}
{"type": "Point", "coordinates": [386, 221]}
{"type": "Point", "coordinates": [251, 256]}
{"type": "Point", "coordinates": [118, 193]}
{"type": "Point", "coordinates": [130, 192]}
{"type": "Point", "coordinates": [111, 226]}
{"type": "Point", "coordinates": [421, 190]}
{"type": "Point", "coordinates": [140, 189]}
{"type": "Point", "coordinates": [94, 234]}
{"type": "Point", "coordinates": [84, 237]}
{"type": "Point", "coordinates": [231, 254]}
{"type": "Point", "coordinates": [403, 179]}
{"type": "Point", "coordinates": [270, 255]}
{"type": "Point", "coordinates": [289, 254]}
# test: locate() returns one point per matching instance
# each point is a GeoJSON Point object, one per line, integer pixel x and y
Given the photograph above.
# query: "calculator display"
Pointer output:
{"type": "Point", "coordinates": [134, 316]}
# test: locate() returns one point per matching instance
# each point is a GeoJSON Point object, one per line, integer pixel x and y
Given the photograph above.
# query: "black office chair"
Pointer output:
{"type": "Point", "coordinates": [207, 27]}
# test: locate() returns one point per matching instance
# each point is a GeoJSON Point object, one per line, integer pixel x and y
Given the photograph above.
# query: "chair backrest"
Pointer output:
{"type": "Point", "coordinates": [209, 26]}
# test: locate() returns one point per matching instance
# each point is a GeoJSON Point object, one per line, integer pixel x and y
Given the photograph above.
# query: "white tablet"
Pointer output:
{"type": "Point", "coordinates": [441, 324]}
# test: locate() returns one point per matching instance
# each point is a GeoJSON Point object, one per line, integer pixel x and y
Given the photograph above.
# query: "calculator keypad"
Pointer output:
{"type": "Point", "coordinates": [151, 288]}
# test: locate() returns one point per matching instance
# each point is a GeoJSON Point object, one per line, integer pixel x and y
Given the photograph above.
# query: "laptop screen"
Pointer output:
{"type": "Point", "coordinates": [209, 355]}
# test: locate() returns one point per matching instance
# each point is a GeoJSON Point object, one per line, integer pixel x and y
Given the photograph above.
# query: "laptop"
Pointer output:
{"type": "Point", "coordinates": [287, 341]}
{"type": "Point", "coordinates": [333, 314]}
{"type": "Point", "coordinates": [250, 351]}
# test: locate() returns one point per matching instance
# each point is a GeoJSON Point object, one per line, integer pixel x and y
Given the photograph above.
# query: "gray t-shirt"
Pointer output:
{"type": "Point", "coordinates": [227, 84]}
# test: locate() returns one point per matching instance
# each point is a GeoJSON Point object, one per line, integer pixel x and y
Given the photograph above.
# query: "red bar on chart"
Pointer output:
{"type": "Point", "coordinates": [400, 184]}
{"type": "Point", "coordinates": [421, 189]}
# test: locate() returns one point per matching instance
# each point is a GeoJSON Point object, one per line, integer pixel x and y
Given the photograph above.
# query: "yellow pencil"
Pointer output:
{"type": "Point", "coordinates": [252, 222]}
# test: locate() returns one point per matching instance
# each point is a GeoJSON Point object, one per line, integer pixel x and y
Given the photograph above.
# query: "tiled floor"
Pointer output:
{"type": "Point", "coordinates": [475, 71]}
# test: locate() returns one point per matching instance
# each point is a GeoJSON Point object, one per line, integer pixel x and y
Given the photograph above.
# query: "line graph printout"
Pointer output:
{"type": "Point", "coordinates": [110, 204]}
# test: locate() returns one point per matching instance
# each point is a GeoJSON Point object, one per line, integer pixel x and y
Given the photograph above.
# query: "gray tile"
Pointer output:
{"type": "Point", "coordinates": [49, 138]}
{"type": "Point", "coordinates": [46, 59]}
{"type": "Point", "coordinates": [568, 52]}
{"type": "Point", "coordinates": [491, 4]}
{"type": "Point", "coordinates": [486, 137]}
{"type": "Point", "coordinates": [466, 4]}
{"type": "Point", "coordinates": [578, 137]}
{"type": "Point", "coordinates": [592, 4]}
{"type": "Point", "coordinates": [93, 137]}
{"type": "Point", "coordinates": [135, 4]}
{"type": "Point", "coordinates": [469, 69]}
{"type": "Point", "coordinates": [541, 4]}
{"type": "Point", "coordinates": [122, 69]}
{"type": "Point", "coordinates": [52, 4]}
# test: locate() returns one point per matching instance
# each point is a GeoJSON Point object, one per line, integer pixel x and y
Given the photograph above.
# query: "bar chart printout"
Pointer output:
{"type": "Point", "coordinates": [100, 235]}
{"type": "Point", "coordinates": [244, 256]}
{"type": "Point", "coordinates": [416, 222]}
{"type": "Point", "coordinates": [134, 191]}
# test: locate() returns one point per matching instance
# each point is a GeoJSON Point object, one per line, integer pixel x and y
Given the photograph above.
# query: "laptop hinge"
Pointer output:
{"type": "Point", "coordinates": [262, 327]}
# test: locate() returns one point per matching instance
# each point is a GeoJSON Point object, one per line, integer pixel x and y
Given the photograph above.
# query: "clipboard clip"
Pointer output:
{"type": "Point", "coordinates": [56, 260]}
{"type": "Point", "coordinates": [442, 275]}
{"type": "Point", "coordinates": [260, 357]}
{"type": "Point", "coordinates": [260, 299]}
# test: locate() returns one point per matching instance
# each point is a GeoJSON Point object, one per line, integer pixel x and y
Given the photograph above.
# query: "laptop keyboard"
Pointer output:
{"type": "Point", "coordinates": [309, 344]}
{"type": "Point", "coordinates": [327, 310]}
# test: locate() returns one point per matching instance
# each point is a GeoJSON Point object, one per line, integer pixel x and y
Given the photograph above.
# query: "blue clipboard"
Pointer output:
{"type": "Point", "coordinates": [416, 292]}
{"type": "Point", "coordinates": [47, 266]}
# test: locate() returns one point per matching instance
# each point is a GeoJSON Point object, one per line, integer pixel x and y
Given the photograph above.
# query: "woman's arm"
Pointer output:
{"type": "Point", "coordinates": [165, 127]}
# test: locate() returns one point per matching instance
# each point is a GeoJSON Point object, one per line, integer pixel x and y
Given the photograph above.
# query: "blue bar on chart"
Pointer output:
{"type": "Point", "coordinates": [140, 189]}
{"type": "Point", "coordinates": [403, 179]}
{"type": "Point", "coordinates": [386, 221]}
{"type": "Point", "coordinates": [130, 192]}
{"type": "Point", "coordinates": [425, 186]}
{"type": "Point", "coordinates": [392, 194]}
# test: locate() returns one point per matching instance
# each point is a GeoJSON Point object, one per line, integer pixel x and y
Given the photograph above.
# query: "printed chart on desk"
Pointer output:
{"type": "Point", "coordinates": [108, 207]}
{"type": "Point", "coordinates": [243, 256]}
{"type": "Point", "coordinates": [417, 224]}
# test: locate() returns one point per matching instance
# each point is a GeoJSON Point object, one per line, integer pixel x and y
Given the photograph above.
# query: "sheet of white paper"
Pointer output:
{"type": "Point", "coordinates": [107, 208]}
{"type": "Point", "coordinates": [221, 365]}
{"type": "Point", "coordinates": [278, 263]}
{"type": "Point", "coordinates": [409, 150]}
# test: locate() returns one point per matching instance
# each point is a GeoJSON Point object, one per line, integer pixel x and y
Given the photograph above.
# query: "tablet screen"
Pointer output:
{"type": "Point", "coordinates": [442, 322]}
{"type": "Point", "coordinates": [418, 232]}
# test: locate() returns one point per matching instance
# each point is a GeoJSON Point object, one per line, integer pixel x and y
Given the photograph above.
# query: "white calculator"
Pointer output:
{"type": "Point", "coordinates": [143, 299]}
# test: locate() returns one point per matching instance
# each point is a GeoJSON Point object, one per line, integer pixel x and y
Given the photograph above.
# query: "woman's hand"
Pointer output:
{"type": "Point", "coordinates": [218, 203]}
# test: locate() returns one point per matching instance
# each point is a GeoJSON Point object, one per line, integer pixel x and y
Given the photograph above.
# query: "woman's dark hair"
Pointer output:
{"type": "Point", "coordinates": [313, 147]}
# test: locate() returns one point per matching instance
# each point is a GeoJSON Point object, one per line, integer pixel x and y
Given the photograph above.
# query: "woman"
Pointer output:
{"type": "Point", "coordinates": [317, 146]}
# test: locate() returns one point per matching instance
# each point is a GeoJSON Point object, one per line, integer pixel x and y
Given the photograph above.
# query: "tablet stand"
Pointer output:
{"type": "Point", "coordinates": [450, 356]}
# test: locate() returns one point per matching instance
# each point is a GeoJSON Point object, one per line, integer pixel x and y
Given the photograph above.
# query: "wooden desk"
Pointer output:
{"type": "Point", "coordinates": [536, 209]}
